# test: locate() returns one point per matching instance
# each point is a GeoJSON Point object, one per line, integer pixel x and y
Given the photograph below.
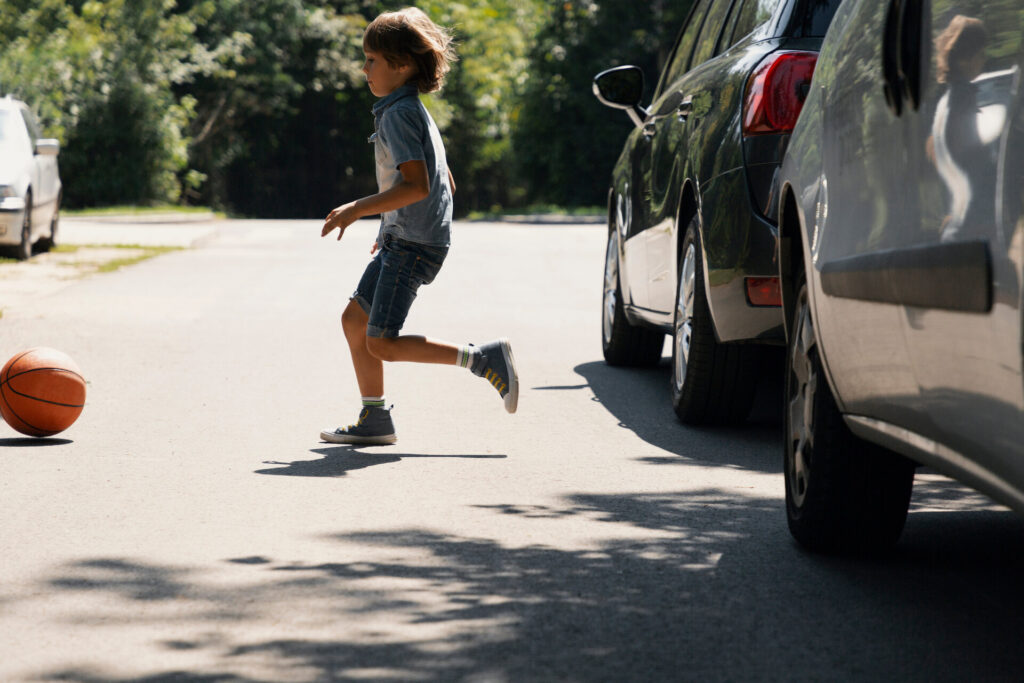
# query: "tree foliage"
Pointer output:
{"type": "Point", "coordinates": [259, 106]}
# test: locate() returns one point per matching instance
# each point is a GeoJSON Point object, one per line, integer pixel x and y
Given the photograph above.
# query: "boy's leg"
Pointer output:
{"type": "Point", "coordinates": [492, 361]}
{"type": "Point", "coordinates": [412, 349]}
{"type": "Point", "coordinates": [368, 368]}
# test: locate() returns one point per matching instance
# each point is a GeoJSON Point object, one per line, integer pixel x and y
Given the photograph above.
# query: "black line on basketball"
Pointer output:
{"type": "Point", "coordinates": [11, 363]}
{"type": "Point", "coordinates": [15, 414]}
{"type": "Point", "coordinates": [27, 372]}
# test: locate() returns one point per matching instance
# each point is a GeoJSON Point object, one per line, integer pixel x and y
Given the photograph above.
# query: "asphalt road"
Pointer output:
{"type": "Point", "coordinates": [191, 526]}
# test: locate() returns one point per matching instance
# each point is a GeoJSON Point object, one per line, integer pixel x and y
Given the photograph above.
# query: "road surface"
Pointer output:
{"type": "Point", "coordinates": [191, 526]}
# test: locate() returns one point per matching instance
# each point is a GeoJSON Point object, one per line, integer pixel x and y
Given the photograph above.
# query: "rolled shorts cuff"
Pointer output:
{"type": "Point", "coordinates": [381, 332]}
{"type": "Point", "coordinates": [362, 302]}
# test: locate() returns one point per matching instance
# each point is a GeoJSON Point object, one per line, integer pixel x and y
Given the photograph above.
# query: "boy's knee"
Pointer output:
{"type": "Point", "coordinates": [381, 348]}
{"type": "Point", "coordinates": [353, 319]}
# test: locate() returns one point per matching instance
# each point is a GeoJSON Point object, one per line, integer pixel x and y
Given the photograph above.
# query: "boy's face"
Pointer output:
{"type": "Point", "coordinates": [383, 78]}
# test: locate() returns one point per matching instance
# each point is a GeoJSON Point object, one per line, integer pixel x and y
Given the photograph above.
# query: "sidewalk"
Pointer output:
{"type": "Point", "coordinates": [151, 230]}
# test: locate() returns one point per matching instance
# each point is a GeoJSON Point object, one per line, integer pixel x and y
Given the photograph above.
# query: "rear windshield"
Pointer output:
{"type": "Point", "coordinates": [812, 18]}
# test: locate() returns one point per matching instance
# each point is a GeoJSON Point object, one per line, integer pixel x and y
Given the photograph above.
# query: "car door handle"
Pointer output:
{"type": "Point", "coordinates": [685, 108]}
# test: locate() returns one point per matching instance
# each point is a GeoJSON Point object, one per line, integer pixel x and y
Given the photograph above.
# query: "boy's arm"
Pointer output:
{"type": "Point", "coordinates": [414, 186]}
{"type": "Point", "coordinates": [451, 180]}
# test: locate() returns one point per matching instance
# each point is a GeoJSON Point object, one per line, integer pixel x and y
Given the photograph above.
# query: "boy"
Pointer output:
{"type": "Point", "coordinates": [406, 54]}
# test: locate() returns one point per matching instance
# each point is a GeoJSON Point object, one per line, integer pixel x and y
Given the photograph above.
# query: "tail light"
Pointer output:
{"type": "Point", "coordinates": [764, 291]}
{"type": "Point", "coordinates": [776, 92]}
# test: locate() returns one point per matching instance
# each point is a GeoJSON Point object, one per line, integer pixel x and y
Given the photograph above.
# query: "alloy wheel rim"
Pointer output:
{"type": "Point", "coordinates": [611, 282]}
{"type": "Point", "coordinates": [684, 315]}
{"type": "Point", "coordinates": [802, 388]}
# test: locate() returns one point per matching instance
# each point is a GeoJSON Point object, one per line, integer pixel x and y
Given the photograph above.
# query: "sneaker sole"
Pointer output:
{"type": "Point", "coordinates": [512, 397]}
{"type": "Point", "coordinates": [386, 440]}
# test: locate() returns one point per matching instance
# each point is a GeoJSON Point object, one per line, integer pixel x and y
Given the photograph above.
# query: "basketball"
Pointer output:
{"type": "Point", "coordinates": [42, 392]}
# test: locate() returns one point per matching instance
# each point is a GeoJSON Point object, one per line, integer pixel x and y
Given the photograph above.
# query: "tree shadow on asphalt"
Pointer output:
{"type": "Point", "coordinates": [338, 461]}
{"type": "Point", "coordinates": [640, 400]}
{"type": "Point", "coordinates": [713, 589]}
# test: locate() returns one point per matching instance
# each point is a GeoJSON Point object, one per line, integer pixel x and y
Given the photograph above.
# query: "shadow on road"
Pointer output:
{"type": "Point", "coordinates": [27, 441]}
{"type": "Point", "coordinates": [639, 398]}
{"type": "Point", "coordinates": [339, 460]}
{"type": "Point", "coordinates": [714, 591]}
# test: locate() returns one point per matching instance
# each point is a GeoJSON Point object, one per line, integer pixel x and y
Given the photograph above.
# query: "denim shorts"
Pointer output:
{"type": "Point", "coordinates": [389, 283]}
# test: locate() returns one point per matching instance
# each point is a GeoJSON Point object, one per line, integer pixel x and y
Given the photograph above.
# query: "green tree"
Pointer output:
{"type": "Point", "coordinates": [565, 143]}
{"type": "Point", "coordinates": [99, 74]}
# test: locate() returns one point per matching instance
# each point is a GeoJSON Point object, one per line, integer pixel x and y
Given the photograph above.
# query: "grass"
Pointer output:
{"type": "Point", "coordinates": [110, 265]}
{"type": "Point", "coordinates": [147, 253]}
{"type": "Point", "coordinates": [129, 210]}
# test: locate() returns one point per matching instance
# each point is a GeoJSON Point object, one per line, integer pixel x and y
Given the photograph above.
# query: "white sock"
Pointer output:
{"type": "Point", "coordinates": [468, 356]}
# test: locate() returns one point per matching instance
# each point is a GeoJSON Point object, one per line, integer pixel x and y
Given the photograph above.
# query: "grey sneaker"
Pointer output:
{"type": "Point", "coordinates": [498, 367]}
{"type": "Point", "coordinates": [373, 428]}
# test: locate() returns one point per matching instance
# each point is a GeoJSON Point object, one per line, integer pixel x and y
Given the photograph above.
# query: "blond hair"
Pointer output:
{"type": "Point", "coordinates": [408, 36]}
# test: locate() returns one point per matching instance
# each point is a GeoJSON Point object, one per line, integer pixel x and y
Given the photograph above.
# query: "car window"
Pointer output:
{"type": "Point", "coordinates": [754, 14]}
{"type": "Point", "coordinates": [680, 61]}
{"type": "Point", "coordinates": [813, 17]}
{"type": "Point", "coordinates": [709, 33]}
{"type": "Point", "coordinates": [727, 40]}
{"type": "Point", "coordinates": [13, 135]}
{"type": "Point", "coordinates": [30, 123]}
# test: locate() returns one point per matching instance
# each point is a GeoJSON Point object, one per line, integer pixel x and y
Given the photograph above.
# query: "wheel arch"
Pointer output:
{"type": "Point", "coordinates": [791, 253]}
{"type": "Point", "coordinates": [688, 208]}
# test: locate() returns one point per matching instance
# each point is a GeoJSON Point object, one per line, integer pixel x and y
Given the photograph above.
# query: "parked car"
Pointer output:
{"type": "Point", "coordinates": [691, 233]}
{"type": "Point", "coordinates": [901, 231]}
{"type": "Point", "coordinates": [30, 187]}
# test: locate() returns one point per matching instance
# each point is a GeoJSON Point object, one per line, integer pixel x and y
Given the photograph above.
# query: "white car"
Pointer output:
{"type": "Point", "coordinates": [30, 187]}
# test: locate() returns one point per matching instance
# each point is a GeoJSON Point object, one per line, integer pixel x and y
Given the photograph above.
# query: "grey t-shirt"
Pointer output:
{"type": "Point", "coordinates": [406, 132]}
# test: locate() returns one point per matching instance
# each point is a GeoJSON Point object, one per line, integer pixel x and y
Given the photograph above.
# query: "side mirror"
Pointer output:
{"type": "Point", "coordinates": [47, 147]}
{"type": "Point", "coordinates": [622, 88]}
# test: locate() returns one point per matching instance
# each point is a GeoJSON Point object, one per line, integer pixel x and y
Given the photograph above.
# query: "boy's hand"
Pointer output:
{"type": "Point", "coordinates": [341, 217]}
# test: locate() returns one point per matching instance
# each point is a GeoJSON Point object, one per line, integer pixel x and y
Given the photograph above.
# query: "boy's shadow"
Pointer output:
{"type": "Point", "coordinates": [339, 460]}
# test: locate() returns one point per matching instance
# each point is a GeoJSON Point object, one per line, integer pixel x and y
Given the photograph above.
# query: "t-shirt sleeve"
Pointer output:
{"type": "Point", "coordinates": [403, 132]}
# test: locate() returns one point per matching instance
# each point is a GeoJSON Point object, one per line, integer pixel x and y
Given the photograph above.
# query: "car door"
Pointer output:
{"type": "Point", "coordinates": [686, 119]}
{"type": "Point", "coordinates": [863, 212]}
{"type": "Point", "coordinates": [661, 135]}
{"type": "Point", "coordinates": [44, 174]}
{"type": "Point", "coordinates": [964, 335]}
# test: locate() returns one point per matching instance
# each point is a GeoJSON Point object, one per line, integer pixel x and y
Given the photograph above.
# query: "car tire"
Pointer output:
{"type": "Point", "coordinates": [24, 248]}
{"type": "Point", "coordinates": [843, 494]}
{"type": "Point", "coordinates": [51, 241]}
{"type": "Point", "coordinates": [712, 383]}
{"type": "Point", "coordinates": [623, 343]}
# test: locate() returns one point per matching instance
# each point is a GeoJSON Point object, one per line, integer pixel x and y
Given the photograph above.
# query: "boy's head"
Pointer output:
{"type": "Point", "coordinates": [409, 38]}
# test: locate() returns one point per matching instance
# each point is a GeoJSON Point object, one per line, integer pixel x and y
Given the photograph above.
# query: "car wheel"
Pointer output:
{"type": "Point", "coordinates": [712, 383]}
{"type": "Point", "coordinates": [623, 343]}
{"type": "Point", "coordinates": [843, 494]}
{"type": "Point", "coordinates": [24, 250]}
{"type": "Point", "coordinates": [51, 241]}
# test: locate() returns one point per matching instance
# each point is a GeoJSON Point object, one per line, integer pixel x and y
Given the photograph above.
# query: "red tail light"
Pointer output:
{"type": "Point", "coordinates": [776, 92]}
{"type": "Point", "coordinates": [764, 291]}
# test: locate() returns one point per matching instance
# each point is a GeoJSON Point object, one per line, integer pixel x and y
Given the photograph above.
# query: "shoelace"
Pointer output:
{"type": "Point", "coordinates": [362, 416]}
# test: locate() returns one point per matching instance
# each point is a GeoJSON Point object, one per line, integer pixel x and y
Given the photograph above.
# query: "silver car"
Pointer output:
{"type": "Point", "coordinates": [30, 187]}
{"type": "Point", "coordinates": [901, 255]}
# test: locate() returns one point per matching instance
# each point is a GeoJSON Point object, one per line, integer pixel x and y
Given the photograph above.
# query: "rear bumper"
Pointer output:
{"type": "Point", "coordinates": [739, 243]}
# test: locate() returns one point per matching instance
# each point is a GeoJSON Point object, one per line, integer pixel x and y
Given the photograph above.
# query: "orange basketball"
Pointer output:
{"type": "Point", "coordinates": [42, 392]}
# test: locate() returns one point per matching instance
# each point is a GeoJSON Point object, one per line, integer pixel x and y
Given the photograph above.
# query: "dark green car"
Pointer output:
{"type": "Point", "coordinates": [691, 231]}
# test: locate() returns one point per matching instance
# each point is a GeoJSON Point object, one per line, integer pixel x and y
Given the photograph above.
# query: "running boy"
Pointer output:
{"type": "Point", "coordinates": [406, 54]}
